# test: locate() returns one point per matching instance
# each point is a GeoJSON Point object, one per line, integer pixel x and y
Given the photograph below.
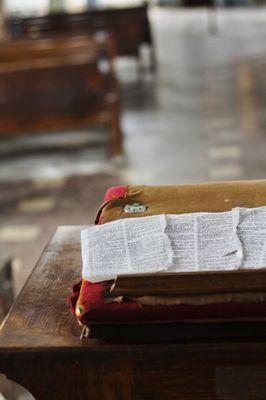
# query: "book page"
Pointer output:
{"type": "Point", "coordinates": [252, 234]}
{"type": "Point", "coordinates": [126, 246]}
{"type": "Point", "coordinates": [181, 230]}
{"type": "Point", "coordinates": [175, 243]}
{"type": "Point", "coordinates": [204, 241]}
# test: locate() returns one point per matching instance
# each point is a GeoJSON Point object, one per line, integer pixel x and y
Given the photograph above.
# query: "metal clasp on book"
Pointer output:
{"type": "Point", "coordinates": [135, 208]}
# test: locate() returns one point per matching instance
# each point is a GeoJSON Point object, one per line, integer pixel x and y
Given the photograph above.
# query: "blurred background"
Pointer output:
{"type": "Point", "coordinates": [95, 93]}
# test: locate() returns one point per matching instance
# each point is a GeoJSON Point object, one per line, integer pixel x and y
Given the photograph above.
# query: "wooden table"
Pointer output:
{"type": "Point", "coordinates": [40, 348]}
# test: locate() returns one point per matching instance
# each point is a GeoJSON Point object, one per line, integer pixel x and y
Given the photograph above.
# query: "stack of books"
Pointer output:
{"type": "Point", "coordinates": [180, 262]}
{"type": "Point", "coordinates": [169, 277]}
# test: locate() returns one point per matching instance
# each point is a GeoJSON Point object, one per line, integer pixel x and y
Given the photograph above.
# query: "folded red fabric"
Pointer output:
{"type": "Point", "coordinates": [91, 298]}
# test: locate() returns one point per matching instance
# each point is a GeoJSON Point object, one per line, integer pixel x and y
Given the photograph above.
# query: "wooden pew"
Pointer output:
{"type": "Point", "coordinates": [130, 27]}
{"type": "Point", "coordinates": [59, 83]}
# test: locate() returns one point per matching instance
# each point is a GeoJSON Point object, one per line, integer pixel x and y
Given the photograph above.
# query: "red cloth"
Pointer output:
{"type": "Point", "coordinates": [115, 192]}
{"type": "Point", "coordinates": [90, 296]}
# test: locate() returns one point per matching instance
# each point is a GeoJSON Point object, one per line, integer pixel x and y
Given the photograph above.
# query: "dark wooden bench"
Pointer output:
{"type": "Point", "coordinates": [40, 348]}
{"type": "Point", "coordinates": [129, 25]}
{"type": "Point", "coordinates": [59, 83]}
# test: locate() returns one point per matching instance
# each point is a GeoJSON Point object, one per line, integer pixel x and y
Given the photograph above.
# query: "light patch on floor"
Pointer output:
{"type": "Point", "coordinates": [248, 106]}
{"type": "Point", "coordinates": [49, 183]}
{"type": "Point", "coordinates": [224, 122]}
{"type": "Point", "coordinates": [56, 166]}
{"type": "Point", "coordinates": [40, 204]}
{"type": "Point", "coordinates": [221, 152]}
{"type": "Point", "coordinates": [19, 233]}
{"type": "Point", "coordinates": [226, 136]}
{"type": "Point", "coordinates": [16, 265]}
{"type": "Point", "coordinates": [226, 172]}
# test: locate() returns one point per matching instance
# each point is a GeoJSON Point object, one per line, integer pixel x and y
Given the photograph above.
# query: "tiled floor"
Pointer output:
{"type": "Point", "coordinates": [207, 99]}
{"type": "Point", "coordinates": [201, 117]}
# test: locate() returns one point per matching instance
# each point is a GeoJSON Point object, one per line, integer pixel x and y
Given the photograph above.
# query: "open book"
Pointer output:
{"type": "Point", "coordinates": [179, 246]}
